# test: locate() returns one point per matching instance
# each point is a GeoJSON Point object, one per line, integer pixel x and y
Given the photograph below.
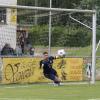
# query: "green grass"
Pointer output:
{"type": "Point", "coordinates": [73, 51]}
{"type": "Point", "coordinates": [50, 92]}
{"type": "Point", "coordinates": [98, 63]}
{"type": "Point", "coordinates": [82, 51]}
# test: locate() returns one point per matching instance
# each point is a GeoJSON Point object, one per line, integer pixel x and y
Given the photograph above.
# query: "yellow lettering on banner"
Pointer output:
{"type": "Point", "coordinates": [61, 68]}
{"type": "Point", "coordinates": [21, 70]}
{"type": "Point", "coordinates": [69, 69]}
{"type": "Point", "coordinates": [75, 69]}
{"type": "Point", "coordinates": [75, 78]}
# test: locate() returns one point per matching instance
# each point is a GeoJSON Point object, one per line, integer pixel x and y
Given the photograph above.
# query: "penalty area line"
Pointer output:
{"type": "Point", "coordinates": [24, 99]}
{"type": "Point", "coordinates": [17, 86]}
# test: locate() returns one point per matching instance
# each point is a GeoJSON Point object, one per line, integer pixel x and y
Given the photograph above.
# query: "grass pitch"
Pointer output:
{"type": "Point", "coordinates": [50, 92]}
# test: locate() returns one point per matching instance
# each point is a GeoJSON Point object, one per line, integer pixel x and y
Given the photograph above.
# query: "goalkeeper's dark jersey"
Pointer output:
{"type": "Point", "coordinates": [47, 65]}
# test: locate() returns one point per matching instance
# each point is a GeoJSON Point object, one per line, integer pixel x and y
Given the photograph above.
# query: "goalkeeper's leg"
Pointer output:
{"type": "Point", "coordinates": [53, 77]}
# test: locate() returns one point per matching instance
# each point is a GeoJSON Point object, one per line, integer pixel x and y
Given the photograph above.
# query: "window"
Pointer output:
{"type": "Point", "coordinates": [2, 16]}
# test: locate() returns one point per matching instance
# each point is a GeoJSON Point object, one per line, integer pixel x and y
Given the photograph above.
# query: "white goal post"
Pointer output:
{"type": "Point", "coordinates": [50, 9]}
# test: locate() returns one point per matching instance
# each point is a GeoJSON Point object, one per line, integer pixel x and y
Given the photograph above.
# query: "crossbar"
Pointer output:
{"type": "Point", "coordinates": [47, 9]}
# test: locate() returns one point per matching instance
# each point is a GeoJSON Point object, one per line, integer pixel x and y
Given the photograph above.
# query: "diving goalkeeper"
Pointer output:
{"type": "Point", "coordinates": [48, 71]}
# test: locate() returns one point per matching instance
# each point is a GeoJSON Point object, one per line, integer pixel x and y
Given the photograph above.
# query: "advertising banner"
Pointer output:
{"type": "Point", "coordinates": [27, 70]}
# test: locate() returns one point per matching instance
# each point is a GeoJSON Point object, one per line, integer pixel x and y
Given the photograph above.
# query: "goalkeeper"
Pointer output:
{"type": "Point", "coordinates": [48, 71]}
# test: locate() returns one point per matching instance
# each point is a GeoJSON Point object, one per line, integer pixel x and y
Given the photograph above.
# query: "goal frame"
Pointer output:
{"type": "Point", "coordinates": [50, 9]}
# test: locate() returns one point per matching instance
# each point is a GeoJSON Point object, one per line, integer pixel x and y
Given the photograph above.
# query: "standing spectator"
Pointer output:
{"type": "Point", "coordinates": [22, 41]}
{"type": "Point", "coordinates": [18, 50]}
{"type": "Point", "coordinates": [88, 70]}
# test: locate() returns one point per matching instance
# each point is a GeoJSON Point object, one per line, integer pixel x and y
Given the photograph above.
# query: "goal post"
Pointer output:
{"type": "Point", "coordinates": [50, 9]}
{"type": "Point", "coordinates": [93, 47]}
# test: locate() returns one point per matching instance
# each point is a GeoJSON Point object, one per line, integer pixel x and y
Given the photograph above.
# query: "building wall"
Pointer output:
{"type": "Point", "coordinates": [8, 29]}
{"type": "Point", "coordinates": [11, 2]}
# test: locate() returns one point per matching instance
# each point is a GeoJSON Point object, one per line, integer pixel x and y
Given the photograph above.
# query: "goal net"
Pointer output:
{"type": "Point", "coordinates": [7, 27]}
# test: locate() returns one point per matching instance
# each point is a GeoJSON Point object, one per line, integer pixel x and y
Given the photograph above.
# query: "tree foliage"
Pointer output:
{"type": "Point", "coordinates": [63, 34]}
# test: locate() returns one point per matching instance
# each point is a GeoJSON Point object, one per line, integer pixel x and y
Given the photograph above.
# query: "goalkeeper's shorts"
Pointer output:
{"type": "Point", "coordinates": [50, 76]}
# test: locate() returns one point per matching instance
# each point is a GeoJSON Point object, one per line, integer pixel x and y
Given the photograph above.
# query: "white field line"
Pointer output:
{"type": "Point", "coordinates": [23, 99]}
{"type": "Point", "coordinates": [27, 86]}
{"type": "Point", "coordinates": [95, 99]}
{"type": "Point", "coordinates": [72, 83]}
{"type": "Point", "coordinates": [17, 86]}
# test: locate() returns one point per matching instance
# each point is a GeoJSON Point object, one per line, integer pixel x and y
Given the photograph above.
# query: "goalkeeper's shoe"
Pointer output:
{"type": "Point", "coordinates": [56, 84]}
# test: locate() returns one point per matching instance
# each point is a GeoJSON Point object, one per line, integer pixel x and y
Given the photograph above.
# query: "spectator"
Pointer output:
{"type": "Point", "coordinates": [7, 50]}
{"type": "Point", "coordinates": [88, 70]}
{"type": "Point", "coordinates": [18, 50]}
{"type": "Point", "coordinates": [22, 43]}
{"type": "Point", "coordinates": [31, 51]}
